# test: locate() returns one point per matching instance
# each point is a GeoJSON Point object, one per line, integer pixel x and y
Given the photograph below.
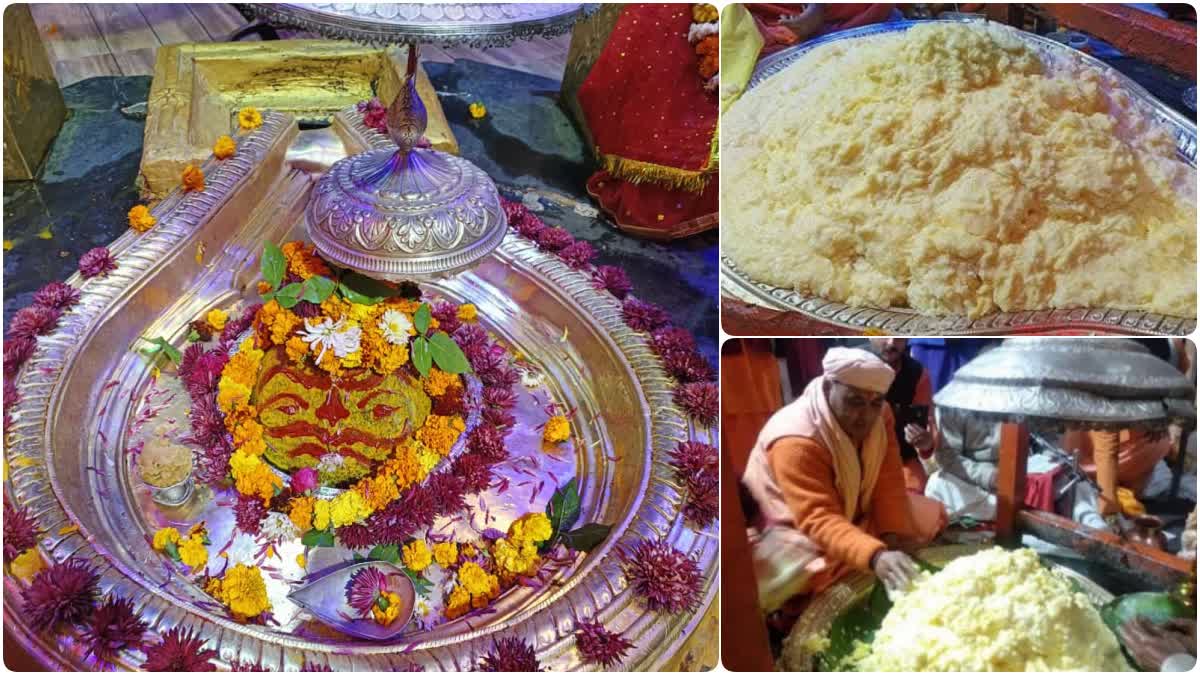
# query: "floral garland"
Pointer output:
{"type": "Point", "coordinates": [703, 36]}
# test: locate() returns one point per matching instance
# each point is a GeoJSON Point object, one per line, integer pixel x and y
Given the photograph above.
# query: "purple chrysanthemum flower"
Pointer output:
{"type": "Point", "coordinates": [306, 310]}
{"type": "Point", "coordinates": [357, 535]}
{"type": "Point", "coordinates": [693, 457]}
{"type": "Point", "coordinates": [470, 335]}
{"type": "Point", "coordinates": [17, 351]}
{"type": "Point", "coordinates": [499, 397]}
{"type": "Point", "coordinates": [96, 262]}
{"type": "Point", "coordinates": [374, 114]}
{"type": "Point", "coordinates": [702, 505]}
{"type": "Point", "coordinates": [488, 443]}
{"type": "Point", "coordinates": [181, 652]}
{"type": "Point", "coordinates": [600, 646]}
{"type": "Point", "coordinates": [64, 593]}
{"type": "Point", "coordinates": [499, 417]}
{"type": "Point", "coordinates": [474, 471]}
{"type": "Point", "coordinates": [112, 628]}
{"type": "Point", "coordinates": [688, 366]}
{"type": "Point", "coordinates": [32, 321]}
{"type": "Point", "coordinates": [510, 655]}
{"type": "Point", "coordinates": [672, 339]}
{"type": "Point", "coordinates": [212, 463]}
{"type": "Point", "coordinates": [364, 588]}
{"type": "Point", "coordinates": [500, 377]}
{"type": "Point", "coordinates": [208, 426]}
{"type": "Point", "coordinates": [612, 279]}
{"type": "Point", "coordinates": [200, 370]}
{"type": "Point", "coordinates": [554, 239]}
{"type": "Point", "coordinates": [20, 530]}
{"type": "Point", "coordinates": [57, 295]}
{"type": "Point", "coordinates": [249, 513]}
{"type": "Point", "coordinates": [448, 491]}
{"type": "Point", "coordinates": [447, 315]}
{"type": "Point", "coordinates": [577, 255]}
{"type": "Point", "coordinates": [665, 578]}
{"type": "Point", "coordinates": [700, 401]}
{"type": "Point", "coordinates": [235, 327]}
{"type": "Point", "coordinates": [484, 358]}
{"type": "Point", "coordinates": [644, 316]}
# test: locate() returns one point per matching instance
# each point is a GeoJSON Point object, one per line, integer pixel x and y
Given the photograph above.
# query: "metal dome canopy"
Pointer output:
{"type": "Point", "coordinates": [1110, 383]}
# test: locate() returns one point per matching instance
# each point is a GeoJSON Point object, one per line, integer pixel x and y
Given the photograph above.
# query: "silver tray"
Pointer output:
{"type": "Point", "coordinates": [839, 598]}
{"type": "Point", "coordinates": [461, 24]}
{"type": "Point", "coordinates": [899, 320]}
{"type": "Point", "coordinates": [82, 388]}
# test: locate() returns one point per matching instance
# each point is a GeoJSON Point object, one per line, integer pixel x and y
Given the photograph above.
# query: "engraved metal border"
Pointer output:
{"type": "Point", "coordinates": [597, 590]}
{"type": "Point", "coordinates": [907, 321]}
{"type": "Point", "coordinates": [381, 31]}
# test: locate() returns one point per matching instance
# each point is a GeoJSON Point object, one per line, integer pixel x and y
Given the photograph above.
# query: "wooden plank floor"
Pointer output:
{"type": "Point", "coordinates": [87, 40]}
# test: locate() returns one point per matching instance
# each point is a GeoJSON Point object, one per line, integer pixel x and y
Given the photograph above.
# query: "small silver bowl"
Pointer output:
{"type": "Point", "coordinates": [173, 495]}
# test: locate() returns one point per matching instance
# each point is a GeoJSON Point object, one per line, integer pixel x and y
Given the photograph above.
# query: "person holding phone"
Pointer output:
{"type": "Point", "coordinates": [910, 397]}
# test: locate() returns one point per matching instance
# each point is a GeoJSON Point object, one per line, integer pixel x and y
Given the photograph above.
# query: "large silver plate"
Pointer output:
{"type": "Point", "coordinates": [83, 387]}
{"type": "Point", "coordinates": [844, 595]}
{"type": "Point", "coordinates": [1113, 384]}
{"type": "Point", "coordinates": [459, 24]}
{"type": "Point", "coordinates": [899, 320]}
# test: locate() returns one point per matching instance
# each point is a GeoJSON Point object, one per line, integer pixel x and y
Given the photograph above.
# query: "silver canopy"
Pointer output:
{"type": "Point", "coordinates": [1058, 382]}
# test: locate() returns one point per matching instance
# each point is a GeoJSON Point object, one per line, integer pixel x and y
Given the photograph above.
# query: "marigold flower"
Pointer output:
{"type": "Point", "coordinates": [301, 512]}
{"type": "Point", "coordinates": [515, 557]}
{"type": "Point", "coordinates": [193, 179]}
{"type": "Point", "coordinates": [166, 535]}
{"type": "Point", "coordinates": [140, 219]}
{"type": "Point", "coordinates": [557, 429]}
{"type": "Point", "coordinates": [467, 312]}
{"type": "Point", "coordinates": [217, 318]}
{"type": "Point", "coordinates": [224, 148]}
{"type": "Point", "coordinates": [531, 528]}
{"type": "Point", "coordinates": [249, 118]}
{"type": "Point", "coordinates": [26, 565]}
{"type": "Point", "coordinates": [321, 516]}
{"type": "Point", "coordinates": [457, 603]}
{"type": "Point", "coordinates": [439, 381]}
{"type": "Point", "coordinates": [193, 553]}
{"type": "Point", "coordinates": [296, 348]}
{"type": "Point", "coordinates": [252, 477]}
{"type": "Point", "coordinates": [417, 555]}
{"type": "Point", "coordinates": [445, 553]}
{"type": "Point", "coordinates": [477, 110]}
{"type": "Point", "coordinates": [439, 433]}
{"type": "Point", "coordinates": [347, 508]}
{"type": "Point", "coordinates": [477, 581]}
{"type": "Point", "coordinates": [244, 592]}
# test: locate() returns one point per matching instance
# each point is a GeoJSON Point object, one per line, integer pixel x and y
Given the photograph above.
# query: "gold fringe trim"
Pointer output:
{"type": "Point", "coordinates": [637, 172]}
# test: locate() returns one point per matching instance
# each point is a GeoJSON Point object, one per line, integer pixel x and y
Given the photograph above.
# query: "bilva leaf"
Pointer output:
{"type": "Point", "coordinates": [421, 356]}
{"type": "Point", "coordinates": [586, 538]}
{"type": "Point", "coordinates": [317, 289]}
{"type": "Point", "coordinates": [289, 295]}
{"type": "Point", "coordinates": [447, 354]}
{"type": "Point", "coordinates": [274, 264]}
{"type": "Point", "coordinates": [422, 318]}
{"type": "Point", "coordinates": [317, 538]}
{"type": "Point", "coordinates": [563, 509]}
{"type": "Point", "coordinates": [364, 290]}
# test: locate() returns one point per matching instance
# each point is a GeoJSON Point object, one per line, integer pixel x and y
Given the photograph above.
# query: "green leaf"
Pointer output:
{"type": "Point", "coordinates": [447, 354]}
{"type": "Point", "coordinates": [172, 551]}
{"type": "Point", "coordinates": [274, 264]}
{"type": "Point", "coordinates": [193, 336]}
{"type": "Point", "coordinates": [421, 356]}
{"type": "Point", "coordinates": [317, 538]}
{"type": "Point", "coordinates": [289, 295]}
{"type": "Point", "coordinates": [422, 318]}
{"type": "Point", "coordinates": [389, 553]}
{"type": "Point", "coordinates": [163, 348]}
{"type": "Point", "coordinates": [317, 289]}
{"type": "Point", "coordinates": [364, 290]}
{"type": "Point", "coordinates": [563, 509]}
{"type": "Point", "coordinates": [586, 538]}
{"type": "Point", "coordinates": [420, 583]}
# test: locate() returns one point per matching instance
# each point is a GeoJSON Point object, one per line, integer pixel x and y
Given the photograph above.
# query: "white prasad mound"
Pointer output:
{"type": "Point", "coordinates": [948, 169]}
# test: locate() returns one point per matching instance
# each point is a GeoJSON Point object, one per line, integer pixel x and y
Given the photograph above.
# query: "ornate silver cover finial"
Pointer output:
{"type": "Point", "coordinates": [407, 213]}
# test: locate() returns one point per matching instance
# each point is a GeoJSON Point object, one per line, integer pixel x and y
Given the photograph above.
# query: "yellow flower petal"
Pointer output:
{"type": "Point", "coordinates": [45, 233]}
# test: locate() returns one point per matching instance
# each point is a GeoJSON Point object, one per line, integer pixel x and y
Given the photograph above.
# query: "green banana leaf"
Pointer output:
{"type": "Point", "coordinates": [1158, 607]}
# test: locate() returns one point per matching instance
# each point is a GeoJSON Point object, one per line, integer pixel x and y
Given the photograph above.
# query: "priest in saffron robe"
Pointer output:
{"type": "Point", "coordinates": [826, 476]}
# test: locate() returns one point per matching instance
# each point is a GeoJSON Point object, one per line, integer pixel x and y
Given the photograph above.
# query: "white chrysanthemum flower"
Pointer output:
{"type": "Point", "coordinates": [532, 379]}
{"type": "Point", "coordinates": [330, 462]}
{"type": "Point", "coordinates": [395, 325]}
{"type": "Point", "coordinates": [332, 335]}
{"type": "Point", "coordinates": [278, 527]}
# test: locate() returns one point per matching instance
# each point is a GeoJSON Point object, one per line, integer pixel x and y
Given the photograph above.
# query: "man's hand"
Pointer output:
{"type": "Point", "coordinates": [895, 569]}
{"type": "Point", "coordinates": [919, 437]}
{"type": "Point", "coordinates": [1151, 644]}
{"type": "Point", "coordinates": [807, 23]}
